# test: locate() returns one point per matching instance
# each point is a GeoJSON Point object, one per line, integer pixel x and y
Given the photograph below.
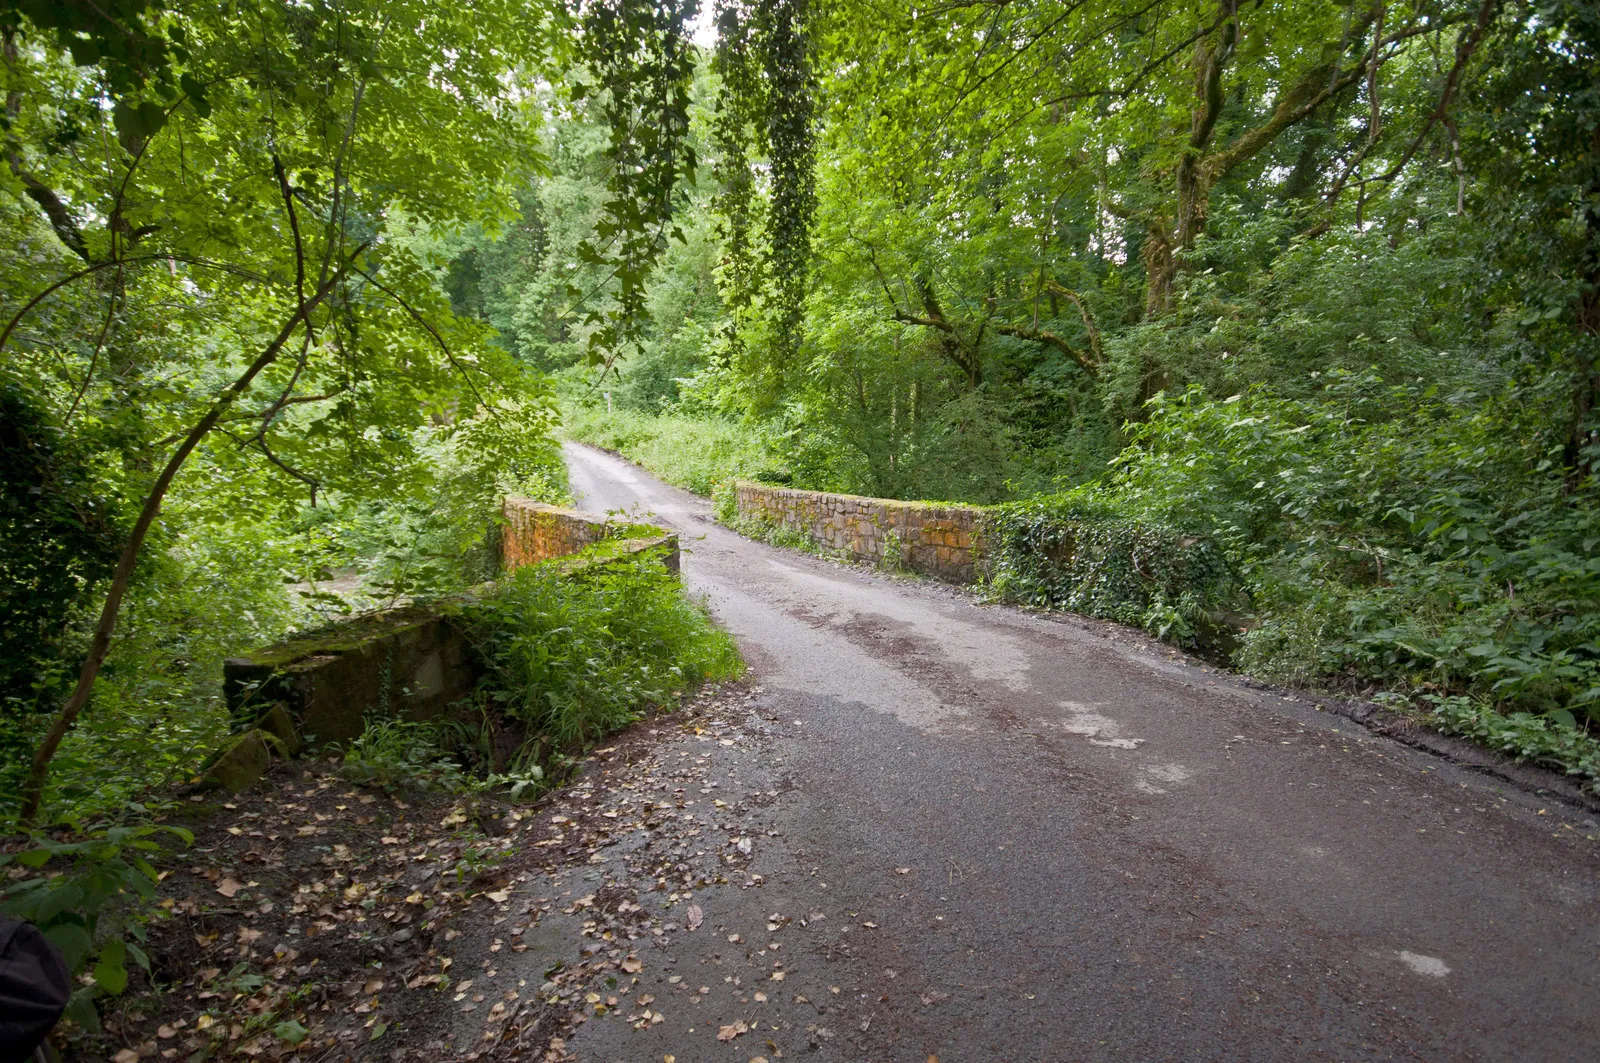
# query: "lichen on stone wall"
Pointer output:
{"type": "Point", "coordinates": [936, 539]}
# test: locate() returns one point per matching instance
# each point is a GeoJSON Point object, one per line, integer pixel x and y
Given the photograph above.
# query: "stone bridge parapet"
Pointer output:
{"type": "Point", "coordinates": [933, 538]}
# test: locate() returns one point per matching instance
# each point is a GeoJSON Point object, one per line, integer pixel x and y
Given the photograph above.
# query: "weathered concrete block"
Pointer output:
{"type": "Point", "coordinates": [277, 722]}
{"type": "Point", "coordinates": [241, 764]}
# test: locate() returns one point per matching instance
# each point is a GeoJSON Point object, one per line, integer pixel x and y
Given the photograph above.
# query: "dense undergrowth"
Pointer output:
{"type": "Point", "coordinates": [574, 657]}
{"type": "Point", "coordinates": [571, 656]}
{"type": "Point", "coordinates": [695, 453]}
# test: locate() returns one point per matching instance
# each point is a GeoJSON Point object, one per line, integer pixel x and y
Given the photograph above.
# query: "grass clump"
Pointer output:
{"type": "Point", "coordinates": [696, 453]}
{"type": "Point", "coordinates": [576, 657]}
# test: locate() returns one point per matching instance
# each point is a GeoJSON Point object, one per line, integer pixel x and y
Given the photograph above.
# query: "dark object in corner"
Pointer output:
{"type": "Point", "coordinates": [34, 989]}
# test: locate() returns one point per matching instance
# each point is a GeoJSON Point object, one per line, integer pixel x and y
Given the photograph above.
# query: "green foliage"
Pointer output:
{"type": "Point", "coordinates": [576, 657]}
{"type": "Point", "coordinates": [1436, 548]}
{"type": "Point", "coordinates": [696, 453]}
{"type": "Point", "coordinates": [1545, 740]}
{"type": "Point", "coordinates": [725, 502]}
{"type": "Point", "coordinates": [447, 757]}
{"type": "Point", "coordinates": [643, 63]}
{"type": "Point", "coordinates": [95, 907]}
{"type": "Point", "coordinates": [765, 64]}
{"type": "Point", "coordinates": [246, 266]}
{"type": "Point", "coordinates": [1072, 552]}
{"type": "Point", "coordinates": [59, 537]}
{"type": "Point", "coordinates": [397, 754]}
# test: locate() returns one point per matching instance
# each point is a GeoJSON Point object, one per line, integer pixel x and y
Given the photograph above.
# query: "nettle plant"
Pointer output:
{"type": "Point", "coordinates": [90, 897]}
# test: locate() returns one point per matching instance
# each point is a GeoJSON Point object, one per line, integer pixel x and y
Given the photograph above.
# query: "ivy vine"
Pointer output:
{"type": "Point", "coordinates": [767, 106]}
{"type": "Point", "coordinates": [642, 61]}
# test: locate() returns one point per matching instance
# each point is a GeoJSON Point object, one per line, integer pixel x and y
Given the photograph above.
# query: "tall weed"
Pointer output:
{"type": "Point", "coordinates": [696, 453]}
{"type": "Point", "coordinates": [576, 656]}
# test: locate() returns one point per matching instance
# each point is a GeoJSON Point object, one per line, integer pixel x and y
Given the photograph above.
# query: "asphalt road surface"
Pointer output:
{"type": "Point", "coordinates": [981, 834]}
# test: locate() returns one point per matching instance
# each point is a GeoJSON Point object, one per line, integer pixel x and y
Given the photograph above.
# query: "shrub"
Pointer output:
{"type": "Point", "coordinates": [576, 656]}
{"type": "Point", "coordinates": [1072, 552]}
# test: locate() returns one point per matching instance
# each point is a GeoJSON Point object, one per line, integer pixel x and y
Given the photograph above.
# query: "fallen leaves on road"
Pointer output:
{"type": "Point", "coordinates": [732, 1030]}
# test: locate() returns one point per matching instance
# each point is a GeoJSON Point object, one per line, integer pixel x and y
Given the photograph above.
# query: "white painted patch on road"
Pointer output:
{"type": "Point", "coordinates": [1431, 966]}
{"type": "Point", "coordinates": [1100, 730]}
{"type": "Point", "coordinates": [1151, 774]}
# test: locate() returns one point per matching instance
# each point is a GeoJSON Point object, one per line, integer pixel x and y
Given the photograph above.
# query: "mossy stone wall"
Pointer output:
{"type": "Point", "coordinates": [413, 662]}
{"type": "Point", "coordinates": [939, 540]}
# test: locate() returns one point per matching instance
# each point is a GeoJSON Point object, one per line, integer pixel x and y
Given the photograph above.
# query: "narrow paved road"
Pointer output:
{"type": "Point", "coordinates": [1042, 839]}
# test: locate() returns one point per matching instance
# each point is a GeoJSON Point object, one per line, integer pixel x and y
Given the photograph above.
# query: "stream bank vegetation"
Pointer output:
{"type": "Point", "coordinates": [235, 397]}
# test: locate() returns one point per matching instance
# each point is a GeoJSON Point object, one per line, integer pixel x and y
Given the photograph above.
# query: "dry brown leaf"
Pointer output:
{"type": "Point", "coordinates": [732, 1030]}
{"type": "Point", "coordinates": [127, 1055]}
{"type": "Point", "coordinates": [633, 965]}
{"type": "Point", "coordinates": [696, 916]}
{"type": "Point", "coordinates": [229, 886]}
{"type": "Point", "coordinates": [498, 896]}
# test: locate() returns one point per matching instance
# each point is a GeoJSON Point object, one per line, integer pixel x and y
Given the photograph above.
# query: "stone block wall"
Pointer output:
{"type": "Point", "coordinates": [536, 531]}
{"type": "Point", "coordinates": [413, 662]}
{"type": "Point", "coordinates": [943, 541]}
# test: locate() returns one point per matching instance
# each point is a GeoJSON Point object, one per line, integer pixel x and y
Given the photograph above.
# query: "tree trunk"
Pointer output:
{"type": "Point", "coordinates": [1194, 177]}
{"type": "Point", "coordinates": [100, 646]}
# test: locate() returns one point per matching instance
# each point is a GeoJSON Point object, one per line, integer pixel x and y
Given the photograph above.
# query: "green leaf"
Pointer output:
{"type": "Point", "coordinates": [111, 970]}
{"type": "Point", "coordinates": [81, 1009]}
{"type": "Point", "coordinates": [291, 1031]}
{"type": "Point", "coordinates": [74, 942]}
